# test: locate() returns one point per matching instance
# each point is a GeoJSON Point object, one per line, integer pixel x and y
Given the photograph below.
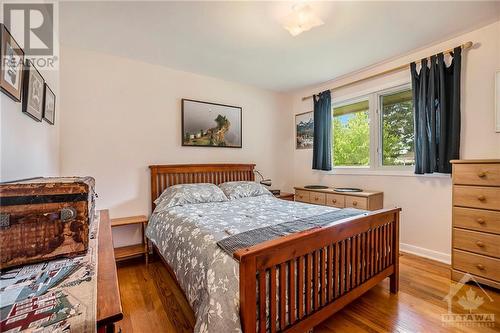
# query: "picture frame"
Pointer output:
{"type": "Point", "coordinates": [33, 90]}
{"type": "Point", "coordinates": [11, 68]}
{"type": "Point", "coordinates": [206, 124]}
{"type": "Point", "coordinates": [49, 105]}
{"type": "Point", "coordinates": [304, 130]}
{"type": "Point", "coordinates": [497, 101]}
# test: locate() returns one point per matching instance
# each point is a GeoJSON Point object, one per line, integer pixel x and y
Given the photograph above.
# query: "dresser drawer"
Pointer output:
{"type": "Point", "coordinates": [477, 197]}
{"type": "Point", "coordinates": [477, 264]}
{"type": "Point", "coordinates": [476, 219]}
{"type": "Point", "coordinates": [477, 242]}
{"type": "Point", "coordinates": [477, 174]}
{"type": "Point", "coordinates": [356, 202]}
{"type": "Point", "coordinates": [335, 200]}
{"type": "Point", "coordinates": [317, 198]}
{"type": "Point", "coordinates": [302, 196]}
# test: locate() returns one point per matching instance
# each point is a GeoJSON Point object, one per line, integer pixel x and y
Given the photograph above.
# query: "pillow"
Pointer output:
{"type": "Point", "coordinates": [183, 194]}
{"type": "Point", "coordinates": [236, 190]}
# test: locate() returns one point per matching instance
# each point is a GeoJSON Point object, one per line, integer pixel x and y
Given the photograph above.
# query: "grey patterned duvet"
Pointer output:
{"type": "Point", "coordinates": [187, 237]}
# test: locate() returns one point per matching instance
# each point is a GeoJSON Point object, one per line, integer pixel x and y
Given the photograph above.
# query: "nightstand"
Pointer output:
{"type": "Point", "coordinates": [125, 252]}
{"type": "Point", "coordinates": [285, 196]}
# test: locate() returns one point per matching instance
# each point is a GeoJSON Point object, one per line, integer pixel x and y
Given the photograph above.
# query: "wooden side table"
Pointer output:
{"type": "Point", "coordinates": [126, 252]}
{"type": "Point", "coordinates": [286, 196]}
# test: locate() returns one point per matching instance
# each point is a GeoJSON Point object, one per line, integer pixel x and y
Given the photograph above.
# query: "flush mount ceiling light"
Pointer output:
{"type": "Point", "coordinates": [301, 19]}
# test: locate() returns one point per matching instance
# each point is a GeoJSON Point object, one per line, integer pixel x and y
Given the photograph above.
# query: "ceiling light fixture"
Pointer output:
{"type": "Point", "coordinates": [301, 19]}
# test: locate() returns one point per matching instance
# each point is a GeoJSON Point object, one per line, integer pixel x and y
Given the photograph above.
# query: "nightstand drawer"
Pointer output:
{"type": "Point", "coordinates": [487, 174]}
{"type": "Point", "coordinates": [476, 219]}
{"type": "Point", "coordinates": [317, 198]}
{"type": "Point", "coordinates": [477, 242]}
{"type": "Point", "coordinates": [477, 197]}
{"type": "Point", "coordinates": [476, 264]}
{"type": "Point", "coordinates": [356, 202]}
{"type": "Point", "coordinates": [335, 200]}
{"type": "Point", "coordinates": [302, 196]}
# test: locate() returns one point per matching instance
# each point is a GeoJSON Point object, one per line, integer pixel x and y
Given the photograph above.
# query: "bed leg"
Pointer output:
{"type": "Point", "coordinates": [394, 283]}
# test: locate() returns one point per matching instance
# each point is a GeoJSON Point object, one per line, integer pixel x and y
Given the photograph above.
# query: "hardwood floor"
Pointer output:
{"type": "Point", "coordinates": [152, 302]}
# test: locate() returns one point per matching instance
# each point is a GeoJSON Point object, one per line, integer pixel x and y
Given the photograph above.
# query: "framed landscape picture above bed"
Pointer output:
{"type": "Point", "coordinates": [304, 130]}
{"type": "Point", "coordinates": [210, 124]}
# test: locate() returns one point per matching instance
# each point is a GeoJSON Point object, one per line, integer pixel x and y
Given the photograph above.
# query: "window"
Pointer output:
{"type": "Point", "coordinates": [375, 131]}
{"type": "Point", "coordinates": [397, 129]}
{"type": "Point", "coordinates": [351, 134]}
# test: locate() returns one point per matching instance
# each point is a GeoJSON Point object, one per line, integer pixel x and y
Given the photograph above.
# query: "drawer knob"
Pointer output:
{"type": "Point", "coordinates": [316, 199]}
{"type": "Point", "coordinates": [354, 203]}
{"type": "Point", "coordinates": [480, 221]}
{"type": "Point", "coordinates": [480, 244]}
{"type": "Point", "coordinates": [481, 198]}
{"type": "Point", "coordinates": [334, 200]}
{"type": "Point", "coordinates": [481, 174]}
{"type": "Point", "coordinates": [480, 267]}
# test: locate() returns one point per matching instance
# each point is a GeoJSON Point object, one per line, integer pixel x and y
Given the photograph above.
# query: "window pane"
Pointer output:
{"type": "Point", "coordinates": [351, 135]}
{"type": "Point", "coordinates": [397, 129]}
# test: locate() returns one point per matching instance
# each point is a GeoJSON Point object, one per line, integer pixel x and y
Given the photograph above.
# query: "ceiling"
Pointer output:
{"type": "Point", "coordinates": [245, 41]}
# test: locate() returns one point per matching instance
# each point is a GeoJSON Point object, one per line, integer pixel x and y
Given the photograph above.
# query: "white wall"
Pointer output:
{"type": "Point", "coordinates": [426, 201]}
{"type": "Point", "coordinates": [28, 148]}
{"type": "Point", "coordinates": [122, 115]}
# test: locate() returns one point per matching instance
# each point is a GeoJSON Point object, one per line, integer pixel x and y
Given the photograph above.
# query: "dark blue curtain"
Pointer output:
{"type": "Point", "coordinates": [436, 99]}
{"type": "Point", "coordinates": [322, 148]}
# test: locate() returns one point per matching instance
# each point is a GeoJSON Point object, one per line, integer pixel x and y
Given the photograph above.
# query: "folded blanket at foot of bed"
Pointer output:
{"type": "Point", "coordinates": [249, 238]}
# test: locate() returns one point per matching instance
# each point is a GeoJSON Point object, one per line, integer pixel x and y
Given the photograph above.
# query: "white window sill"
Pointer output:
{"type": "Point", "coordinates": [360, 171]}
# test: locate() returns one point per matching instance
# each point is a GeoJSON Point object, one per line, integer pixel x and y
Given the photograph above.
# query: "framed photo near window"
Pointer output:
{"type": "Point", "coordinates": [12, 59]}
{"type": "Point", "coordinates": [304, 130]}
{"type": "Point", "coordinates": [33, 88]}
{"type": "Point", "coordinates": [49, 105]}
{"type": "Point", "coordinates": [497, 100]}
{"type": "Point", "coordinates": [210, 124]}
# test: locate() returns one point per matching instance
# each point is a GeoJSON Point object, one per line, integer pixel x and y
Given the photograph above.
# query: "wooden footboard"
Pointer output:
{"type": "Point", "coordinates": [295, 282]}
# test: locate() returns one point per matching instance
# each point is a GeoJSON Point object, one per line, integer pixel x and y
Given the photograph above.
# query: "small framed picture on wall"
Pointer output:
{"type": "Point", "coordinates": [304, 130]}
{"type": "Point", "coordinates": [33, 88]}
{"type": "Point", "coordinates": [12, 58]}
{"type": "Point", "coordinates": [49, 105]}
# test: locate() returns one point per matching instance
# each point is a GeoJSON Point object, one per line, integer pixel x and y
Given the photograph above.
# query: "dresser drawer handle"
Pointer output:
{"type": "Point", "coordinates": [481, 174]}
{"type": "Point", "coordinates": [481, 198]}
{"type": "Point", "coordinates": [480, 267]}
{"type": "Point", "coordinates": [480, 221]}
{"type": "Point", "coordinates": [480, 244]}
{"type": "Point", "coordinates": [334, 200]}
{"type": "Point", "coordinates": [354, 203]}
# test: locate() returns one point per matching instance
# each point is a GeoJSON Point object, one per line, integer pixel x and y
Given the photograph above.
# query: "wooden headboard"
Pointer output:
{"type": "Point", "coordinates": [163, 176]}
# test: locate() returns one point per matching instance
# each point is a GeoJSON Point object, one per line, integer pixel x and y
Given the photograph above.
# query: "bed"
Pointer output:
{"type": "Point", "coordinates": [288, 284]}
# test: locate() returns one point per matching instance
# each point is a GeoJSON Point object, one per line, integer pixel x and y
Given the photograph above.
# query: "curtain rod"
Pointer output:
{"type": "Point", "coordinates": [465, 46]}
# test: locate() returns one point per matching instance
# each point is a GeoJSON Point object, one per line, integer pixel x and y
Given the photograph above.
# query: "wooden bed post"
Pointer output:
{"type": "Point", "coordinates": [394, 278]}
{"type": "Point", "coordinates": [248, 286]}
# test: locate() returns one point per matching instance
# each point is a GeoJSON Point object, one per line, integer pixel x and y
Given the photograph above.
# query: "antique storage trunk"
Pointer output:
{"type": "Point", "coordinates": [44, 218]}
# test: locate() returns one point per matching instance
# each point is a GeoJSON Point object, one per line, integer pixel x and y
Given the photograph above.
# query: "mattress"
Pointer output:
{"type": "Point", "coordinates": [186, 237]}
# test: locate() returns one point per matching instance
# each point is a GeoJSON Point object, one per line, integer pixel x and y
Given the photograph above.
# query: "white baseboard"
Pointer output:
{"type": "Point", "coordinates": [426, 253]}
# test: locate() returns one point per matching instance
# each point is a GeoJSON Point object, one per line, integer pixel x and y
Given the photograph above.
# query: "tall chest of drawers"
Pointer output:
{"type": "Point", "coordinates": [476, 221]}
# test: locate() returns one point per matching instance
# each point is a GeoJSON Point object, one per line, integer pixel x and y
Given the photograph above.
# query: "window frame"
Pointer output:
{"type": "Point", "coordinates": [379, 148]}
{"type": "Point", "coordinates": [375, 167]}
{"type": "Point", "coordinates": [361, 98]}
